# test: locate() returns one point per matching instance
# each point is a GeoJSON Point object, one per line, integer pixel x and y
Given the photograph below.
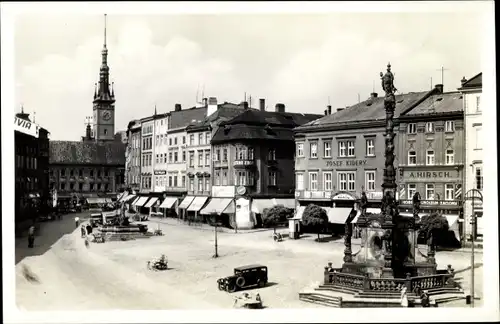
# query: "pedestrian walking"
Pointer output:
{"type": "Point", "coordinates": [83, 231]}
{"type": "Point", "coordinates": [89, 229]}
{"type": "Point", "coordinates": [404, 297]}
{"type": "Point", "coordinates": [31, 236]}
{"type": "Point", "coordinates": [77, 221]}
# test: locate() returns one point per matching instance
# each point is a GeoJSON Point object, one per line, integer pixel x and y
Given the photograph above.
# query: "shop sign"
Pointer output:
{"type": "Point", "coordinates": [223, 191]}
{"type": "Point", "coordinates": [345, 163]}
{"type": "Point", "coordinates": [343, 196]}
{"type": "Point", "coordinates": [160, 172]}
{"type": "Point", "coordinates": [374, 195]}
{"type": "Point", "coordinates": [429, 174]}
{"type": "Point", "coordinates": [26, 127]}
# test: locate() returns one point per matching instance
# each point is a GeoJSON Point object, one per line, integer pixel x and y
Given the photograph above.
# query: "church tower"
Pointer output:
{"type": "Point", "coordinates": [104, 100]}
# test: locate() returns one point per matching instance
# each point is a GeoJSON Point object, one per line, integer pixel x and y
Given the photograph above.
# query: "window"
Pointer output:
{"type": "Point", "coordinates": [272, 178]}
{"type": "Point", "coordinates": [430, 157]}
{"type": "Point", "coordinates": [191, 159]}
{"type": "Point", "coordinates": [429, 127]}
{"type": "Point", "coordinates": [157, 158]}
{"type": "Point", "coordinates": [217, 178]}
{"type": "Point", "coordinates": [200, 139]}
{"type": "Point", "coordinates": [313, 181]}
{"type": "Point", "coordinates": [207, 138]}
{"type": "Point", "coordinates": [370, 180]}
{"type": "Point", "coordinates": [91, 173]}
{"type": "Point", "coordinates": [170, 181]}
{"type": "Point", "coordinates": [183, 156]}
{"type": "Point", "coordinates": [80, 186]}
{"type": "Point", "coordinates": [351, 181]}
{"type": "Point", "coordinates": [175, 140]}
{"type": "Point", "coordinates": [175, 181]}
{"type": "Point", "coordinates": [478, 103]}
{"type": "Point", "coordinates": [327, 149]}
{"type": "Point", "coordinates": [450, 157]}
{"type": "Point", "coordinates": [71, 186]}
{"type": "Point", "coordinates": [429, 191]}
{"type": "Point", "coordinates": [412, 189]}
{"type": "Point", "coordinates": [300, 150]}
{"type": "Point", "coordinates": [157, 182]}
{"type": "Point", "coordinates": [105, 131]}
{"type": "Point", "coordinates": [412, 128]}
{"type": "Point", "coordinates": [250, 153]}
{"type": "Point", "coordinates": [216, 156]}
{"type": "Point", "coordinates": [479, 137]}
{"type": "Point", "coordinates": [350, 148]}
{"type": "Point", "coordinates": [342, 178]}
{"type": "Point", "coordinates": [241, 153]}
{"type": "Point", "coordinates": [191, 184]}
{"type": "Point", "coordinates": [370, 147]}
{"type": "Point", "coordinates": [313, 152]}
{"type": "Point", "coordinates": [200, 158]}
{"type": "Point", "coordinates": [157, 140]}
{"type": "Point", "coordinates": [200, 184]}
{"type": "Point", "coordinates": [224, 177]}
{"type": "Point", "coordinates": [449, 191]}
{"type": "Point", "coordinates": [170, 141]}
{"type": "Point", "coordinates": [183, 181]}
{"type": "Point", "coordinates": [412, 158]}
{"type": "Point", "coordinates": [449, 126]}
{"type": "Point", "coordinates": [479, 178]}
{"type": "Point", "coordinates": [170, 159]}
{"type": "Point", "coordinates": [207, 158]}
{"type": "Point", "coordinates": [300, 181]}
{"type": "Point", "coordinates": [271, 155]}
{"type": "Point", "coordinates": [327, 181]}
{"type": "Point", "coordinates": [241, 179]}
{"type": "Point", "coordinates": [342, 149]}
{"type": "Point", "coordinates": [191, 139]}
{"type": "Point", "coordinates": [224, 154]}
{"type": "Point", "coordinates": [207, 184]}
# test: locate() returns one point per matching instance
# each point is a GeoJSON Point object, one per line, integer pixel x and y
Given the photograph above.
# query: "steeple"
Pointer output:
{"type": "Point", "coordinates": [104, 92]}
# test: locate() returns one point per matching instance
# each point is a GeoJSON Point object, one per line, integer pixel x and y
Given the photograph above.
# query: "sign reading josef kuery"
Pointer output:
{"type": "Point", "coordinates": [342, 163]}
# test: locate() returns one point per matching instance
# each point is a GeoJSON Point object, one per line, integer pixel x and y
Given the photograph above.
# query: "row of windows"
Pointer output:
{"type": "Point", "coordinates": [478, 104]}
{"type": "Point", "coordinates": [146, 182]}
{"type": "Point", "coordinates": [174, 181]}
{"type": "Point", "coordinates": [147, 129]}
{"type": "Point", "coordinates": [241, 153]}
{"type": "Point", "coordinates": [173, 157]}
{"type": "Point", "coordinates": [147, 159]}
{"type": "Point", "coordinates": [147, 143]}
{"type": "Point", "coordinates": [203, 184]}
{"type": "Point", "coordinates": [203, 139]}
{"type": "Point", "coordinates": [430, 157]}
{"type": "Point", "coordinates": [242, 178]}
{"type": "Point", "coordinates": [346, 181]}
{"type": "Point", "coordinates": [430, 191]}
{"type": "Point", "coordinates": [346, 148]}
{"type": "Point", "coordinates": [27, 183]}
{"type": "Point", "coordinates": [80, 186]}
{"type": "Point", "coordinates": [203, 158]}
{"type": "Point", "coordinates": [27, 162]}
{"type": "Point", "coordinates": [449, 126]}
{"type": "Point", "coordinates": [162, 140]}
{"type": "Point", "coordinates": [80, 173]}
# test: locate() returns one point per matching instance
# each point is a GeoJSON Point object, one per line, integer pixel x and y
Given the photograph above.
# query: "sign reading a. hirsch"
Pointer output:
{"type": "Point", "coordinates": [26, 127]}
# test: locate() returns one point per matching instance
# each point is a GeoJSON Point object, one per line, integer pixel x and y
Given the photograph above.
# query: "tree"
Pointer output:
{"type": "Point", "coordinates": [315, 217]}
{"type": "Point", "coordinates": [276, 215]}
{"type": "Point", "coordinates": [433, 226]}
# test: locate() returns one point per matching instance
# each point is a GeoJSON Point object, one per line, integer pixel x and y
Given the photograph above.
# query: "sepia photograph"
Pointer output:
{"type": "Point", "coordinates": [249, 162]}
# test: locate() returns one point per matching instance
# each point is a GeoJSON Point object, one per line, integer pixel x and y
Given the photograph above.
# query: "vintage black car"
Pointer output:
{"type": "Point", "coordinates": [249, 276]}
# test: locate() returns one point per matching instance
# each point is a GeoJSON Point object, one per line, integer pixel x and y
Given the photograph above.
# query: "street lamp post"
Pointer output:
{"type": "Point", "coordinates": [473, 194]}
{"type": "Point", "coordinates": [216, 255]}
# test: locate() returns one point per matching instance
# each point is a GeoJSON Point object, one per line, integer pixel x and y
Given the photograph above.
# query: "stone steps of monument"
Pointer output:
{"type": "Point", "coordinates": [444, 298]}
{"type": "Point", "coordinates": [320, 299]}
{"type": "Point", "coordinates": [444, 290]}
{"type": "Point", "coordinates": [387, 295]}
{"type": "Point", "coordinates": [342, 289]}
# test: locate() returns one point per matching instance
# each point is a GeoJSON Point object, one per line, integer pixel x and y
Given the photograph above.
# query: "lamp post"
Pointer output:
{"type": "Point", "coordinates": [473, 194]}
{"type": "Point", "coordinates": [216, 255]}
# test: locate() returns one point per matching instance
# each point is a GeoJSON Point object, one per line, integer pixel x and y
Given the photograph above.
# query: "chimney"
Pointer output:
{"type": "Point", "coordinates": [340, 109]}
{"type": "Point", "coordinates": [211, 106]}
{"type": "Point", "coordinates": [326, 112]}
{"type": "Point", "coordinates": [88, 132]}
{"type": "Point", "coordinates": [463, 81]}
{"type": "Point", "coordinates": [205, 102]}
{"type": "Point", "coordinates": [178, 107]}
{"type": "Point", "coordinates": [280, 108]}
{"type": "Point", "coordinates": [262, 104]}
{"type": "Point", "coordinates": [245, 104]}
{"type": "Point", "coordinates": [373, 95]}
{"type": "Point", "coordinates": [439, 88]}
{"type": "Point", "coordinates": [329, 108]}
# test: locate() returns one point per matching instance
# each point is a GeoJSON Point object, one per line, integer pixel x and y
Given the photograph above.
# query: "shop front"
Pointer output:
{"type": "Point", "coordinates": [223, 204]}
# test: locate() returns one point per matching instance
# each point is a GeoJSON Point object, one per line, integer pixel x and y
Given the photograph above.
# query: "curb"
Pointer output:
{"type": "Point", "coordinates": [205, 227]}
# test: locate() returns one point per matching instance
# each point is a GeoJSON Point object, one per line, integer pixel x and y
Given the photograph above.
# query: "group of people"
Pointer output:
{"type": "Point", "coordinates": [86, 230]}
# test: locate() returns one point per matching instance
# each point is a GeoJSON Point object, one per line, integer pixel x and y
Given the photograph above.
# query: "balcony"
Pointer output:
{"type": "Point", "coordinates": [243, 164]}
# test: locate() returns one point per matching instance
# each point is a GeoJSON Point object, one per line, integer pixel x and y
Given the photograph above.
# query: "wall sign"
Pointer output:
{"type": "Point", "coordinates": [342, 163]}
{"type": "Point", "coordinates": [243, 162]}
{"type": "Point", "coordinates": [429, 175]}
{"type": "Point", "coordinates": [26, 127]}
{"type": "Point", "coordinates": [343, 196]}
{"type": "Point", "coordinates": [160, 172]}
{"type": "Point", "coordinates": [223, 191]}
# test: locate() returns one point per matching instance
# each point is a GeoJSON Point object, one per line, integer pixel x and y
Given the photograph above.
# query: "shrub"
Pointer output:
{"type": "Point", "coordinates": [433, 226]}
{"type": "Point", "coordinates": [315, 217]}
{"type": "Point", "coordinates": [276, 215]}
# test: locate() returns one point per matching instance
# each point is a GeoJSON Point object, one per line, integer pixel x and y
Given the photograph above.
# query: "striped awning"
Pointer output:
{"type": "Point", "coordinates": [368, 210]}
{"type": "Point", "coordinates": [197, 203]}
{"type": "Point", "coordinates": [151, 202]}
{"type": "Point", "coordinates": [141, 201]}
{"type": "Point", "coordinates": [128, 198]}
{"type": "Point", "coordinates": [168, 202]}
{"type": "Point", "coordinates": [338, 215]}
{"type": "Point", "coordinates": [216, 205]}
{"type": "Point", "coordinates": [186, 202]}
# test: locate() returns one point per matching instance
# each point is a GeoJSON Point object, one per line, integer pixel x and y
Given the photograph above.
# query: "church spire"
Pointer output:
{"type": "Point", "coordinates": [104, 92]}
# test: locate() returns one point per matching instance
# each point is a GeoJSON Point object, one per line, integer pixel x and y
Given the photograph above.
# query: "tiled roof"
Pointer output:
{"type": "Point", "coordinates": [225, 111]}
{"type": "Point", "coordinates": [368, 110]}
{"type": "Point", "coordinates": [474, 82]}
{"type": "Point", "coordinates": [261, 125]}
{"type": "Point", "coordinates": [70, 152]}
{"type": "Point", "coordinates": [439, 103]}
{"type": "Point", "coordinates": [185, 117]}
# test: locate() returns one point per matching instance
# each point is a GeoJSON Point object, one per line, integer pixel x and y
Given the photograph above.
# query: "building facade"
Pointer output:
{"type": "Point", "coordinates": [342, 154]}
{"type": "Point", "coordinates": [160, 152]}
{"type": "Point", "coordinates": [147, 161]}
{"type": "Point", "coordinates": [431, 157]}
{"type": "Point", "coordinates": [133, 159]}
{"type": "Point", "coordinates": [472, 91]}
{"type": "Point", "coordinates": [253, 162]}
{"type": "Point", "coordinates": [31, 144]}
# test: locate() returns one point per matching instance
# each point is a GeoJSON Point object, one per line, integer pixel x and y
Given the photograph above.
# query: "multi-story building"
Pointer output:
{"type": "Point", "coordinates": [133, 160]}
{"type": "Point", "coordinates": [472, 91]}
{"type": "Point", "coordinates": [253, 163]}
{"type": "Point", "coordinates": [431, 156]}
{"type": "Point", "coordinates": [147, 130]}
{"type": "Point", "coordinates": [31, 168]}
{"type": "Point", "coordinates": [342, 154]}
{"type": "Point", "coordinates": [160, 152]}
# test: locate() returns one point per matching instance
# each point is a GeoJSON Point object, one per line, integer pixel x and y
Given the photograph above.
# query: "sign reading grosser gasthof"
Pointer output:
{"type": "Point", "coordinates": [26, 127]}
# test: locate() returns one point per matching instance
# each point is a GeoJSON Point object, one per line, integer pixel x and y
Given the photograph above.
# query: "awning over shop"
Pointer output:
{"type": "Point", "coordinates": [406, 214]}
{"type": "Point", "coordinates": [338, 215]}
{"type": "Point", "coordinates": [452, 219]}
{"type": "Point", "coordinates": [96, 200]}
{"type": "Point", "coordinates": [288, 203]}
{"type": "Point", "coordinates": [151, 202]}
{"type": "Point", "coordinates": [300, 212]}
{"type": "Point", "coordinates": [133, 201]}
{"type": "Point", "coordinates": [197, 203]}
{"type": "Point", "coordinates": [141, 201]}
{"type": "Point", "coordinates": [368, 210]}
{"type": "Point", "coordinates": [186, 202]}
{"type": "Point", "coordinates": [216, 205]}
{"type": "Point", "coordinates": [258, 205]}
{"type": "Point", "coordinates": [121, 196]}
{"type": "Point", "coordinates": [168, 202]}
{"type": "Point", "coordinates": [128, 198]}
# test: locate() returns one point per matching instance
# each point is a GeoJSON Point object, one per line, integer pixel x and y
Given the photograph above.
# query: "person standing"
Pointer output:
{"type": "Point", "coordinates": [89, 229]}
{"type": "Point", "coordinates": [404, 297]}
{"type": "Point", "coordinates": [77, 221]}
{"type": "Point", "coordinates": [31, 236]}
{"type": "Point", "coordinates": [83, 230]}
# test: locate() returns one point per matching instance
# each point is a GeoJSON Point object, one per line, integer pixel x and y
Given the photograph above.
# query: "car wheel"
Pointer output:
{"type": "Point", "coordinates": [240, 282]}
{"type": "Point", "coordinates": [231, 288]}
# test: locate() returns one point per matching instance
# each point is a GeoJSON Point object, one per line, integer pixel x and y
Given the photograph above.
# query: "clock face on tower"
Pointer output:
{"type": "Point", "coordinates": [106, 115]}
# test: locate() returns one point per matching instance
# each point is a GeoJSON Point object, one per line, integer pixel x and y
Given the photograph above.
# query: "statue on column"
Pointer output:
{"type": "Point", "coordinates": [416, 204]}
{"type": "Point", "coordinates": [388, 82]}
{"type": "Point", "coordinates": [363, 203]}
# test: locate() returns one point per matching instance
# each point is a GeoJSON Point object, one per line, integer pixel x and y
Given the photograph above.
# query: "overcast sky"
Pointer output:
{"type": "Point", "coordinates": [299, 60]}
